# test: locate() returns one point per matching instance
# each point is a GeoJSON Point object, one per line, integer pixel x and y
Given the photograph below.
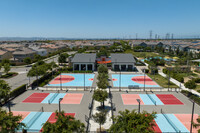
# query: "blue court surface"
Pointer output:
{"type": "Point", "coordinates": [53, 98]}
{"type": "Point", "coordinates": [73, 80]}
{"type": "Point", "coordinates": [150, 99]}
{"type": "Point", "coordinates": [171, 124]}
{"type": "Point", "coordinates": [35, 120]}
{"type": "Point", "coordinates": [133, 79]}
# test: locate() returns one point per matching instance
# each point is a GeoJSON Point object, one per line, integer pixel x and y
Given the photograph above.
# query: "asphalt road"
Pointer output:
{"type": "Point", "coordinates": [22, 71]}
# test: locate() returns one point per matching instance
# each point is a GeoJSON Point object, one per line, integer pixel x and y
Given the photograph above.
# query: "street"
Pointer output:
{"type": "Point", "coordinates": [22, 71]}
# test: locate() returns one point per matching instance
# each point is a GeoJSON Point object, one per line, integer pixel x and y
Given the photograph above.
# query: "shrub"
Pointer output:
{"type": "Point", "coordinates": [146, 70]}
{"type": "Point", "coordinates": [191, 96]}
{"type": "Point", "coordinates": [8, 75]}
{"type": "Point", "coordinates": [178, 77]}
{"type": "Point", "coordinates": [16, 92]}
{"type": "Point", "coordinates": [197, 80]}
{"type": "Point", "coordinates": [190, 84]}
{"type": "Point", "coordinates": [165, 71]}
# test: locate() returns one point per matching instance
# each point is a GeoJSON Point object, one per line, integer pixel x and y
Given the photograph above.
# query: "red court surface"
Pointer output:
{"type": "Point", "coordinates": [36, 98]}
{"type": "Point", "coordinates": [185, 119]}
{"type": "Point", "coordinates": [169, 99]}
{"type": "Point", "coordinates": [72, 98]}
{"type": "Point", "coordinates": [130, 99]}
{"type": "Point", "coordinates": [64, 79]}
{"type": "Point", "coordinates": [156, 128]}
{"type": "Point", "coordinates": [140, 80]}
{"type": "Point", "coordinates": [91, 79]}
{"type": "Point", "coordinates": [22, 113]}
{"type": "Point", "coordinates": [52, 118]}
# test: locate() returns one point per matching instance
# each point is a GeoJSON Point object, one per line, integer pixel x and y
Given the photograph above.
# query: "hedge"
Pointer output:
{"type": "Point", "coordinates": [191, 96]}
{"type": "Point", "coordinates": [9, 75]}
{"type": "Point", "coordinates": [16, 92]}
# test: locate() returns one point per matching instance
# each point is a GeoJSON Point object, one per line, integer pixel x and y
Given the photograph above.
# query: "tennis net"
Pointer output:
{"type": "Point", "coordinates": [34, 118]}
{"type": "Point", "coordinates": [53, 97]}
{"type": "Point", "coordinates": [151, 98]}
{"type": "Point", "coordinates": [170, 122]}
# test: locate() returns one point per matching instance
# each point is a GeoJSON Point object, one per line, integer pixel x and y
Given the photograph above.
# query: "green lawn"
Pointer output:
{"type": "Point", "coordinates": [141, 54]}
{"type": "Point", "coordinates": [163, 82]}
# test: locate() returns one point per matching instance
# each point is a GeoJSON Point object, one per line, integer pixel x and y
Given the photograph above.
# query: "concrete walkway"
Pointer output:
{"type": "Point", "coordinates": [94, 126]}
{"type": "Point", "coordinates": [181, 85]}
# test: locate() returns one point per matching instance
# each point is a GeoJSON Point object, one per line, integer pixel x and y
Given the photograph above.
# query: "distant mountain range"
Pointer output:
{"type": "Point", "coordinates": [31, 38]}
{"type": "Point", "coordinates": [63, 38]}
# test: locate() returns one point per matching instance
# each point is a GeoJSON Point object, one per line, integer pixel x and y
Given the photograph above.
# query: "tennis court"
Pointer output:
{"type": "Point", "coordinates": [149, 99]}
{"type": "Point", "coordinates": [53, 98]}
{"type": "Point", "coordinates": [124, 80]}
{"type": "Point", "coordinates": [34, 120]}
{"type": "Point", "coordinates": [73, 80]}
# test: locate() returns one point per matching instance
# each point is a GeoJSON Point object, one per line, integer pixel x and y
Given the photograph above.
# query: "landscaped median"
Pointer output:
{"type": "Point", "coordinates": [9, 75]}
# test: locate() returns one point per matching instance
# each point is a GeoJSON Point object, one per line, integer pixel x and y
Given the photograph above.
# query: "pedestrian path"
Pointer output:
{"type": "Point", "coordinates": [93, 125]}
{"type": "Point", "coordinates": [179, 83]}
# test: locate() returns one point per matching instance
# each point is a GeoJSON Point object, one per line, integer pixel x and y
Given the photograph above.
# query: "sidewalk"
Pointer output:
{"type": "Point", "coordinates": [179, 84]}
{"type": "Point", "coordinates": [94, 126]}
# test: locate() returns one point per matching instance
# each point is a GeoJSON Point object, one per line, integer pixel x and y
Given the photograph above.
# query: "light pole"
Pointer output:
{"type": "Point", "coordinates": [60, 81]}
{"type": "Point", "coordinates": [138, 100]}
{"type": "Point", "coordinates": [37, 76]}
{"type": "Point", "coordinates": [168, 79]}
{"type": "Point", "coordinates": [144, 79]}
{"type": "Point", "coordinates": [119, 79]}
{"type": "Point", "coordinates": [59, 104]}
{"type": "Point", "coordinates": [193, 103]}
{"type": "Point", "coordinates": [84, 77]}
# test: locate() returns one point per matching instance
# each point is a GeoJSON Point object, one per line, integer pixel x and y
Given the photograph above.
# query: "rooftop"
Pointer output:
{"type": "Point", "coordinates": [122, 58]}
{"type": "Point", "coordinates": [84, 58]}
{"type": "Point", "coordinates": [24, 51]}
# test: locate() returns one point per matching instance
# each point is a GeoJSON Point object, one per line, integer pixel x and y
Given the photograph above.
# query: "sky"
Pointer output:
{"type": "Point", "coordinates": [99, 18]}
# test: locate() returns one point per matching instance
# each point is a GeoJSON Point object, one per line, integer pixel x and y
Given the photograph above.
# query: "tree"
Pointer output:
{"type": "Point", "coordinates": [190, 84]}
{"type": "Point", "coordinates": [102, 69]}
{"type": "Point", "coordinates": [5, 61]}
{"type": "Point", "coordinates": [133, 122]}
{"type": "Point", "coordinates": [102, 83]}
{"type": "Point", "coordinates": [6, 68]}
{"type": "Point", "coordinates": [9, 123]}
{"type": "Point", "coordinates": [27, 60]}
{"type": "Point", "coordinates": [53, 65]}
{"type": "Point", "coordinates": [64, 124]}
{"type": "Point", "coordinates": [100, 118]}
{"type": "Point", "coordinates": [197, 125]}
{"type": "Point", "coordinates": [100, 96]}
{"type": "Point", "coordinates": [4, 90]}
{"type": "Point", "coordinates": [102, 76]}
{"type": "Point", "coordinates": [37, 57]}
{"type": "Point", "coordinates": [62, 58]}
